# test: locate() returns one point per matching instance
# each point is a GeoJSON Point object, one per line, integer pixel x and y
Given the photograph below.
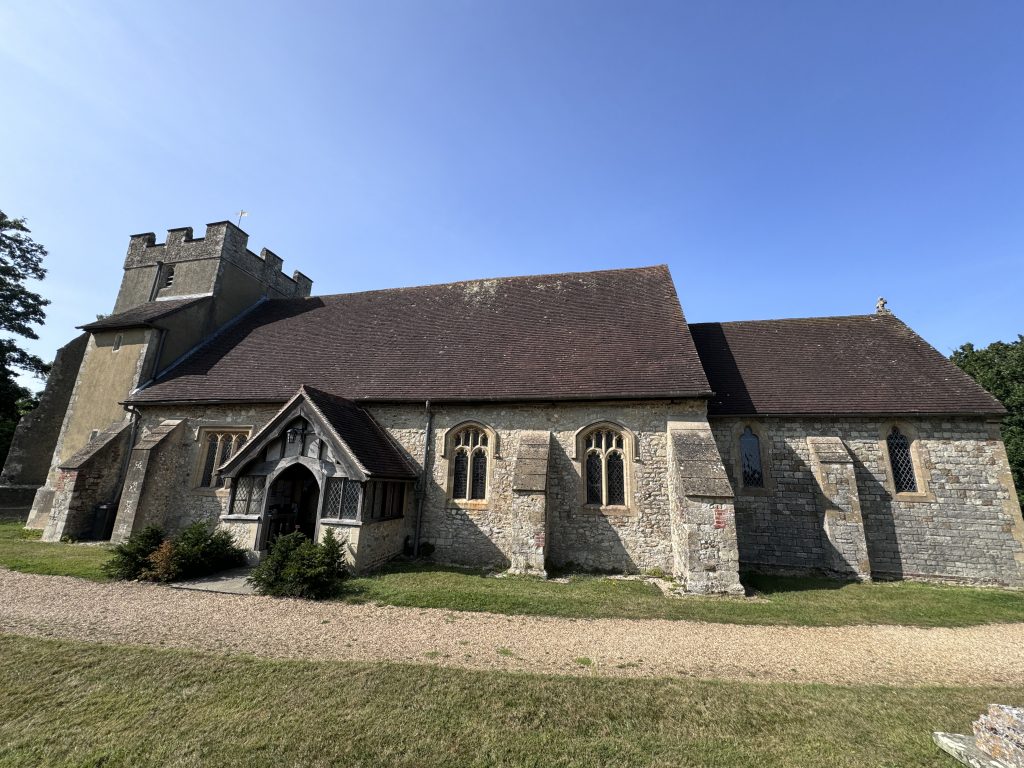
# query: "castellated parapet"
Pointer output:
{"type": "Point", "coordinates": [186, 265]}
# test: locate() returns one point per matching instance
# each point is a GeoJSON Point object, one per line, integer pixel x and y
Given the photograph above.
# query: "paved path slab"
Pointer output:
{"type": "Point", "coordinates": [231, 582]}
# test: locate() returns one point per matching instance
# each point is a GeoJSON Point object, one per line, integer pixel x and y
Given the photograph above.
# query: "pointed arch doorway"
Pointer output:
{"type": "Point", "coordinates": [292, 503]}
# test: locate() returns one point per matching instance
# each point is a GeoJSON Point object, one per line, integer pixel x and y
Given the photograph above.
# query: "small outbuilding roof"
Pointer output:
{"type": "Point", "coordinates": [616, 334]}
{"type": "Point", "coordinates": [859, 364]}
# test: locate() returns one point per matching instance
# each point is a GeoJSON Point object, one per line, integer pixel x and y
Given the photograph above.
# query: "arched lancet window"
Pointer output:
{"type": "Point", "coordinates": [902, 463]}
{"type": "Point", "coordinates": [471, 451]}
{"type": "Point", "coordinates": [218, 447]}
{"type": "Point", "coordinates": [168, 276]}
{"type": "Point", "coordinates": [604, 467]}
{"type": "Point", "coordinates": [750, 458]}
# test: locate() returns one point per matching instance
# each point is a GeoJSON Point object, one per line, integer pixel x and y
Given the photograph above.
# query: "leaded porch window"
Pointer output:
{"type": "Point", "coordinates": [750, 458]}
{"type": "Point", "coordinates": [469, 471]}
{"type": "Point", "coordinates": [342, 499]}
{"type": "Point", "coordinates": [248, 498]}
{"type": "Point", "coordinates": [218, 447]}
{"type": "Point", "coordinates": [903, 478]}
{"type": "Point", "coordinates": [605, 468]}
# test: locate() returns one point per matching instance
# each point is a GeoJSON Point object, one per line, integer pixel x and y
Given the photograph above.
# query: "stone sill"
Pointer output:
{"type": "Point", "coordinates": [912, 497]}
{"type": "Point", "coordinates": [613, 512]}
{"type": "Point", "coordinates": [356, 523]}
{"type": "Point", "coordinates": [241, 518]}
{"type": "Point", "coordinates": [211, 491]}
{"type": "Point", "coordinates": [468, 506]}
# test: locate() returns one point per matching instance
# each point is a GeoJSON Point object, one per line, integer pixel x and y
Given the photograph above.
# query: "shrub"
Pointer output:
{"type": "Point", "coordinates": [161, 563]}
{"type": "Point", "coordinates": [200, 550]}
{"type": "Point", "coordinates": [131, 557]}
{"type": "Point", "coordinates": [298, 567]}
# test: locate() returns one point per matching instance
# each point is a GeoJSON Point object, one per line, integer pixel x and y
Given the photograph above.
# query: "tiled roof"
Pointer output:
{"type": "Point", "coordinates": [859, 364]}
{"type": "Point", "coordinates": [372, 446]}
{"type": "Point", "coordinates": [142, 315]}
{"type": "Point", "coordinates": [592, 335]}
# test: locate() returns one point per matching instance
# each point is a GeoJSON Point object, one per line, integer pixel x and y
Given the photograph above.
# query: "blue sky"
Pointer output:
{"type": "Point", "coordinates": [784, 158]}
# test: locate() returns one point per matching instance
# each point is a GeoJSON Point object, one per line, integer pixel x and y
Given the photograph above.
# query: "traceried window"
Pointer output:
{"type": "Point", "coordinates": [248, 499]}
{"type": "Point", "coordinates": [470, 453]}
{"type": "Point", "coordinates": [604, 467]}
{"type": "Point", "coordinates": [218, 446]}
{"type": "Point", "coordinates": [902, 463]}
{"type": "Point", "coordinates": [750, 459]}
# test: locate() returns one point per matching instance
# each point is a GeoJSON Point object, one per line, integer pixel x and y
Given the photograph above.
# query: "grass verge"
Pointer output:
{"type": "Point", "coordinates": [77, 704]}
{"type": "Point", "coordinates": [21, 550]}
{"type": "Point", "coordinates": [807, 602]}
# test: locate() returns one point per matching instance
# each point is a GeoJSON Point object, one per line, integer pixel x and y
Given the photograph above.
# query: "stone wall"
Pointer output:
{"type": "Point", "coordinates": [83, 482]}
{"type": "Point", "coordinates": [493, 534]}
{"type": "Point", "coordinates": [32, 446]}
{"type": "Point", "coordinates": [964, 524]}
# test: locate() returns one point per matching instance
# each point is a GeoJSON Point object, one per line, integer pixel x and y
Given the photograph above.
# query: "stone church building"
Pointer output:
{"type": "Point", "coordinates": [568, 420]}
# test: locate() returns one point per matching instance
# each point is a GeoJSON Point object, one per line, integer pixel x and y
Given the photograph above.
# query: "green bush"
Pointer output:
{"type": "Point", "coordinates": [130, 558]}
{"type": "Point", "coordinates": [199, 550]}
{"type": "Point", "coordinates": [298, 567]}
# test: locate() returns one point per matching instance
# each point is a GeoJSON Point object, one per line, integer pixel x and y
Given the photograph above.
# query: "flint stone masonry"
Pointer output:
{"type": "Point", "coordinates": [842, 526]}
{"type": "Point", "coordinates": [706, 557]}
{"type": "Point", "coordinates": [964, 526]}
{"type": "Point", "coordinates": [86, 480]}
{"type": "Point", "coordinates": [140, 496]}
{"type": "Point", "coordinates": [515, 529]}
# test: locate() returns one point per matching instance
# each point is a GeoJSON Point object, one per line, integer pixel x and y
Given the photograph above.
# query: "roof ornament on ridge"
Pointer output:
{"type": "Point", "coordinates": [881, 308]}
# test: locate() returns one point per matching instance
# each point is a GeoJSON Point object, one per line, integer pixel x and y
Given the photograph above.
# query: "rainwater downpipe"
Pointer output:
{"type": "Point", "coordinates": [424, 480]}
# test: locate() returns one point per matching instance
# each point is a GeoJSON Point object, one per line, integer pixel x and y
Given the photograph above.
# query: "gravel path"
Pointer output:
{"type": "Point", "coordinates": [141, 614]}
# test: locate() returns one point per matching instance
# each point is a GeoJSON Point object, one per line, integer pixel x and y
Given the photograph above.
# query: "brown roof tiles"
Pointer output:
{"type": "Point", "coordinates": [591, 335]}
{"type": "Point", "coordinates": [861, 364]}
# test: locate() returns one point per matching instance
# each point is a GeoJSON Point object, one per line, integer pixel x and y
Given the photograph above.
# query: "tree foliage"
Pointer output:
{"type": "Point", "coordinates": [999, 368]}
{"type": "Point", "coordinates": [21, 259]}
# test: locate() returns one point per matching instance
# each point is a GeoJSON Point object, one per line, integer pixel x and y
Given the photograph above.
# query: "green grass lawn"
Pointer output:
{"type": "Point", "coordinates": [21, 550]}
{"type": "Point", "coordinates": [76, 704]}
{"type": "Point", "coordinates": [812, 602]}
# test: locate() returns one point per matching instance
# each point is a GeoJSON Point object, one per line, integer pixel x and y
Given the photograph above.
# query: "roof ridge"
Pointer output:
{"type": "Point", "coordinates": [866, 315]}
{"type": "Point", "coordinates": [506, 278]}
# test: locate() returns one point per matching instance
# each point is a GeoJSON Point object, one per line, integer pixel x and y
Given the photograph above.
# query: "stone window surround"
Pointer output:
{"type": "Point", "coordinates": [201, 435]}
{"type": "Point", "coordinates": [449, 455]}
{"type": "Point", "coordinates": [630, 452]}
{"type": "Point", "coordinates": [918, 456]}
{"type": "Point", "coordinates": [761, 431]}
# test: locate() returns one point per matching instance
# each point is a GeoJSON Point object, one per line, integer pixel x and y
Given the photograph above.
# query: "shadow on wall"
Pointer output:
{"type": "Point", "coordinates": [784, 532]}
{"type": "Point", "coordinates": [460, 540]}
{"type": "Point", "coordinates": [884, 554]}
{"type": "Point", "coordinates": [579, 539]}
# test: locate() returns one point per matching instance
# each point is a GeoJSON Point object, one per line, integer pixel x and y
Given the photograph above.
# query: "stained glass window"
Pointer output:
{"type": "Point", "coordinates": [595, 481]}
{"type": "Point", "coordinates": [750, 457]}
{"type": "Point", "coordinates": [903, 478]}
{"type": "Point", "coordinates": [616, 480]}
{"type": "Point", "coordinates": [218, 446]}
{"type": "Point", "coordinates": [469, 468]}
{"type": "Point", "coordinates": [605, 468]}
{"type": "Point", "coordinates": [479, 484]}
{"type": "Point", "coordinates": [460, 474]}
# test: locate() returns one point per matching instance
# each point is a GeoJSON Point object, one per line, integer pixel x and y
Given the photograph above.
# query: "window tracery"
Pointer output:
{"type": "Point", "coordinates": [604, 466]}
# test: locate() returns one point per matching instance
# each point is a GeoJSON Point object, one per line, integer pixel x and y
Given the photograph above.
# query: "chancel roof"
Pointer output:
{"type": "Point", "coordinates": [859, 364]}
{"type": "Point", "coordinates": [616, 334]}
